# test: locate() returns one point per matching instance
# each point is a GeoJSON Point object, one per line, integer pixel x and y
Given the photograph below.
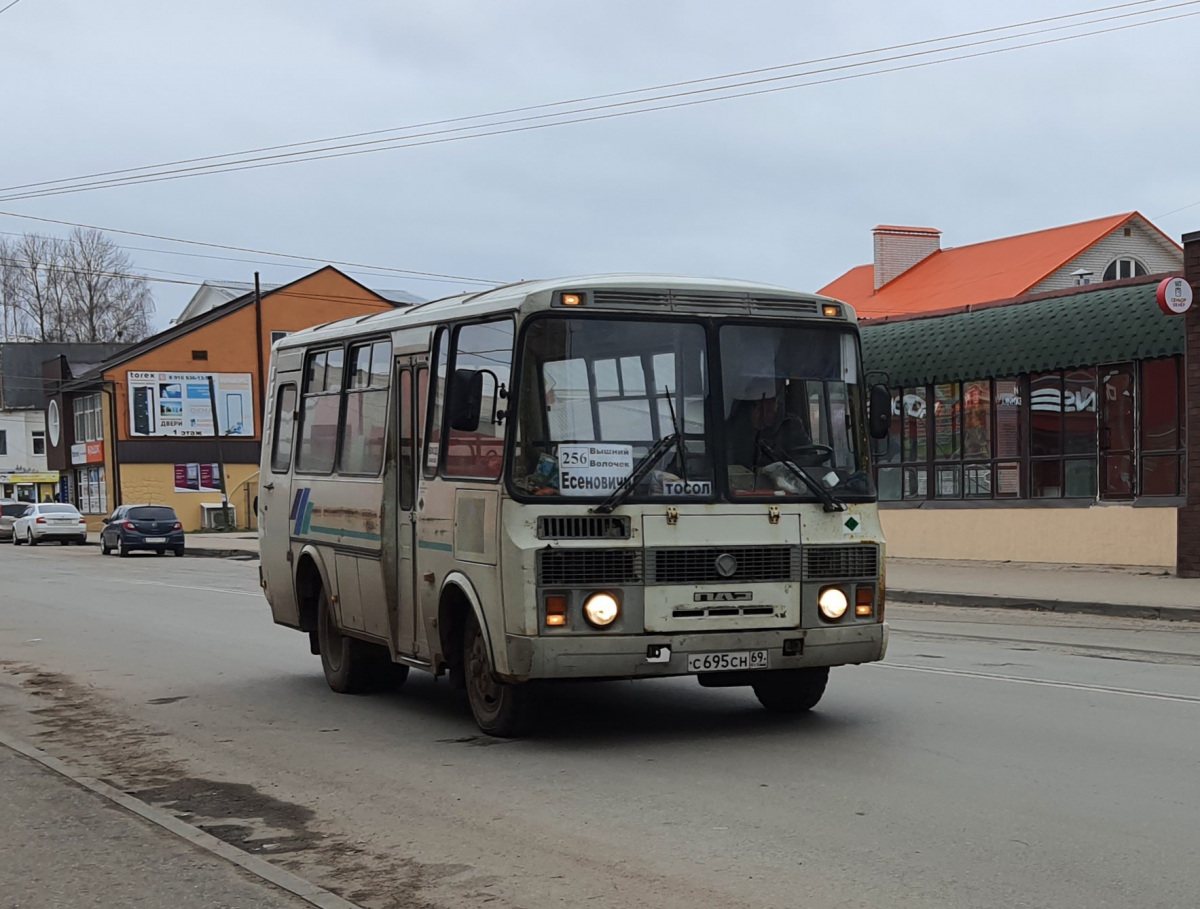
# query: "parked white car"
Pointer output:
{"type": "Point", "coordinates": [50, 521]}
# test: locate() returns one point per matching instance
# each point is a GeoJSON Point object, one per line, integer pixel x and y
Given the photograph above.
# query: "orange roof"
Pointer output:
{"type": "Point", "coordinates": [979, 273]}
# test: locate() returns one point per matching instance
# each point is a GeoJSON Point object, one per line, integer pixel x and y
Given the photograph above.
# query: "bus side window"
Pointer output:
{"type": "Point", "coordinates": [319, 412]}
{"type": "Point", "coordinates": [364, 421]}
{"type": "Point", "coordinates": [484, 350]}
{"type": "Point", "coordinates": [408, 455]}
{"type": "Point", "coordinates": [285, 425]}
{"type": "Point", "coordinates": [433, 431]}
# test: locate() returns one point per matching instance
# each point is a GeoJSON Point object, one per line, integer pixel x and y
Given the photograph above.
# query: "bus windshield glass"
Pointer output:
{"type": "Point", "coordinates": [793, 404]}
{"type": "Point", "coordinates": [596, 395]}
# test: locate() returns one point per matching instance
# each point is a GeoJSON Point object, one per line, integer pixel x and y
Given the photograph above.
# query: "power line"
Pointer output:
{"type": "Point", "coordinates": [10, 6]}
{"type": "Point", "coordinates": [588, 99]}
{"type": "Point", "coordinates": [415, 275]}
{"type": "Point", "coordinates": [630, 107]}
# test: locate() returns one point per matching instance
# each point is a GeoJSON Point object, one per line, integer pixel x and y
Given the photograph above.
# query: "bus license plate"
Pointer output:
{"type": "Point", "coordinates": [723, 662]}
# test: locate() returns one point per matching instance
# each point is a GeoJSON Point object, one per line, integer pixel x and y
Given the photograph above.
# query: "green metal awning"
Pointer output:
{"type": "Point", "coordinates": [1078, 329]}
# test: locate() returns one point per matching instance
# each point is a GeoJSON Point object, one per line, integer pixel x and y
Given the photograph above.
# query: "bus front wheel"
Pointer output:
{"type": "Point", "coordinates": [348, 662]}
{"type": "Point", "coordinates": [791, 690]}
{"type": "Point", "coordinates": [500, 709]}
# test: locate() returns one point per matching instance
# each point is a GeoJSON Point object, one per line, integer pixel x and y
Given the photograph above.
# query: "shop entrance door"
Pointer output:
{"type": "Point", "coordinates": [1117, 432]}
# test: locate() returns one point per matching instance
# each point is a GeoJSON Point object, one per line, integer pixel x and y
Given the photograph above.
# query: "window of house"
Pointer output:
{"type": "Point", "coordinates": [484, 349]}
{"type": "Point", "coordinates": [3, 441]}
{"type": "Point", "coordinates": [319, 411]}
{"type": "Point", "coordinates": [276, 335]}
{"type": "Point", "coordinates": [199, 354]}
{"type": "Point", "coordinates": [1161, 431]}
{"type": "Point", "coordinates": [364, 420]}
{"type": "Point", "coordinates": [87, 412]}
{"type": "Point", "coordinates": [285, 427]}
{"type": "Point", "coordinates": [39, 443]}
{"type": "Point", "coordinates": [1125, 267]}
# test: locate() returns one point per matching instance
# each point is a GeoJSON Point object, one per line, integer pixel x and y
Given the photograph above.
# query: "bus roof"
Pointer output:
{"type": "Point", "coordinates": [510, 296]}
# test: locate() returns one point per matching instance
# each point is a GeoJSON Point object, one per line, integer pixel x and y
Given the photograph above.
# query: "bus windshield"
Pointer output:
{"type": "Point", "coordinates": [597, 394]}
{"type": "Point", "coordinates": [793, 405]}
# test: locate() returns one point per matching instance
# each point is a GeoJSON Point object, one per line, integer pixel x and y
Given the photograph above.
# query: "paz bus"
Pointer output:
{"type": "Point", "coordinates": [613, 477]}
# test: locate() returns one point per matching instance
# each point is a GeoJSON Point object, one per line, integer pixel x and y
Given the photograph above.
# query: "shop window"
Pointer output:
{"type": "Point", "coordinates": [319, 411]}
{"type": "Point", "coordinates": [39, 443]}
{"type": "Point", "coordinates": [1062, 419]}
{"type": "Point", "coordinates": [285, 427]}
{"type": "Point", "coordinates": [3, 441]}
{"type": "Point", "coordinates": [1125, 267]}
{"type": "Point", "coordinates": [364, 423]}
{"type": "Point", "coordinates": [481, 351]}
{"type": "Point", "coordinates": [1161, 427]}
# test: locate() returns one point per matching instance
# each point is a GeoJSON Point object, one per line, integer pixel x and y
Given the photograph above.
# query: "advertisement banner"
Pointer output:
{"type": "Point", "coordinates": [197, 478]}
{"type": "Point", "coordinates": [177, 404]}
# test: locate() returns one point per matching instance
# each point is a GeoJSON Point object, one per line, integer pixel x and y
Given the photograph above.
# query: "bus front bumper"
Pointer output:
{"type": "Point", "coordinates": [597, 656]}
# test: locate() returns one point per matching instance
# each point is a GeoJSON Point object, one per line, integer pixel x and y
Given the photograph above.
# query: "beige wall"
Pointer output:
{"type": "Point", "coordinates": [1101, 535]}
{"type": "Point", "coordinates": [155, 484]}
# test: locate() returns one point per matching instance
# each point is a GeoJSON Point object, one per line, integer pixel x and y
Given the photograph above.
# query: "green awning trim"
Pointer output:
{"type": "Point", "coordinates": [1079, 329]}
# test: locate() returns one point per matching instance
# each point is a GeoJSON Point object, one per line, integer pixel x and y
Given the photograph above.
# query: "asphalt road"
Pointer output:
{"type": "Point", "coordinates": [995, 760]}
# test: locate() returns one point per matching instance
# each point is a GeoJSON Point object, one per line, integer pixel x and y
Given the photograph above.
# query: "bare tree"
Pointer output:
{"type": "Point", "coordinates": [78, 289]}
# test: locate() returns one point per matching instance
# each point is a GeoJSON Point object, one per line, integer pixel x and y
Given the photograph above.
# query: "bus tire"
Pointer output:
{"type": "Point", "coordinates": [348, 662]}
{"type": "Point", "coordinates": [791, 690]}
{"type": "Point", "coordinates": [388, 676]}
{"type": "Point", "coordinates": [500, 709]}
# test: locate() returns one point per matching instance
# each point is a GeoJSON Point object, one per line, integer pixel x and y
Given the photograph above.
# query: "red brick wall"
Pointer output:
{"type": "Point", "coordinates": [1187, 558]}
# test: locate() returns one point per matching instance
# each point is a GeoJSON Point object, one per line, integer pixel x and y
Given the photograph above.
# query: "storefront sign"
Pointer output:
{"type": "Point", "coordinates": [1174, 296]}
{"type": "Point", "coordinates": [51, 477]}
{"type": "Point", "coordinates": [87, 453]}
{"type": "Point", "coordinates": [197, 478]}
{"type": "Point", "coordinates": [177, 404]}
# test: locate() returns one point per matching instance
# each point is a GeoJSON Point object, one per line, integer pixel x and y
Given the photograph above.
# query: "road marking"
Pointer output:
{"type": "Point", "coordinates": [1046, 683]}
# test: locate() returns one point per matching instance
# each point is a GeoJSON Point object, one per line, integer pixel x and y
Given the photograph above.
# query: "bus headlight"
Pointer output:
{"type": "Point", "coordinates": [601, 609]}
{"type": "Point", "coordinates": [833, 603]}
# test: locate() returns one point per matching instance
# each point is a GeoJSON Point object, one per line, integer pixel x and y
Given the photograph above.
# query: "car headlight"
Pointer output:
{"type": "Point", "coordinates": [601, 609]}
{"type": "Point", "coordinates": [833, 603]}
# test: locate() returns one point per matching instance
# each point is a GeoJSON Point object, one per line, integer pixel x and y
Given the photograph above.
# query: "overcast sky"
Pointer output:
{"type": "Point", "coordinates": [781, 187]}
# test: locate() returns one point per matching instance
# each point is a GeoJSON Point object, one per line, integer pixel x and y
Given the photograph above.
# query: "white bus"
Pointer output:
{"type": "Point", "coordinates": [607, 477]}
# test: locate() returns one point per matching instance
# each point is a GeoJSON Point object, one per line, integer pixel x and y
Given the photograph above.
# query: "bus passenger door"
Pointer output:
{"type": "Point", "coordinates": [411, 382]}
{"type": "Point", "coordinates": [275, 501]}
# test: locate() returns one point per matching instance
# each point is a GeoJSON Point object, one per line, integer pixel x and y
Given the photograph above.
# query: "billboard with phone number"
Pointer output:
{"type": "Point", "coordinates": [177, 404]}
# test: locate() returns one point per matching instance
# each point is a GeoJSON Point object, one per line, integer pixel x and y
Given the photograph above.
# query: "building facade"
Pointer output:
{"type": "Point", "coordinates": [166, 420]}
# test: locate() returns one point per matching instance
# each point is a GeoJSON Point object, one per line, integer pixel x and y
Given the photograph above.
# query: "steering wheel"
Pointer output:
{"type": "Point", "coordinates": [819, 453]}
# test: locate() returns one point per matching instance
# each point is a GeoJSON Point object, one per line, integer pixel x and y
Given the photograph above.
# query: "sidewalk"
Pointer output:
{"type": "Point", "coordinates": [63, 847]}
{"type": "Point", "coordinates": [1100, 590]}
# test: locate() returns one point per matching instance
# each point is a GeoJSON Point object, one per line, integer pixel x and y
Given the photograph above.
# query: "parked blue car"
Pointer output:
{"type": "Point", "coordinates": [153, 528]}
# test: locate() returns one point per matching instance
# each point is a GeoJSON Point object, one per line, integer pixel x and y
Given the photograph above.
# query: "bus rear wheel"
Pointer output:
{"type": "Point", "coordinates": [500, 709]}
{"type": "Point", "coordinates": [349, 663]}
{"type": "Point", "coordinates": [791, 690]}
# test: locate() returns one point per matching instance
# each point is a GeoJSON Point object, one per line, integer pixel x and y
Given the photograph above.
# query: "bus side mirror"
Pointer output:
{"type": "Point", "coordinates": [880, 412]}
{"type": "Point", "coordinates": [466, 399]}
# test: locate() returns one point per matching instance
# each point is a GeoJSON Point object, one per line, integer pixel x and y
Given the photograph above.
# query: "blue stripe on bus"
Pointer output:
{"type": "Point", "coordinates": [356, 534]}
{"type": "Point", "coordinates": [440, 547]}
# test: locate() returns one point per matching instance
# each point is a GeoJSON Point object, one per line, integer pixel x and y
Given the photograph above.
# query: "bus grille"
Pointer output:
{"type": "Point", "coordinates": [584, 567]}
{"type": "Point", "coordinates": [583, 527]}
{"type": "Point", "coordinates": [698, 565]}
{"type": "Point", "coordinates": [823, 563]}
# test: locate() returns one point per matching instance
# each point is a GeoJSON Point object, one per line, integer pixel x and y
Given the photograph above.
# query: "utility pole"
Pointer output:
{"type": "Point", "coordinates": [1187, 557]}
{"type": "Point", "coordinates": [212, 402]}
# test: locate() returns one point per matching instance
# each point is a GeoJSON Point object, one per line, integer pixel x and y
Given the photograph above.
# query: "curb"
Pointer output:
{"type": "Point", "coordinates": [242, 555]}
{"type": "Point", "coordinates": [260, 868]}
{"type": "Point", "coordinates": [996, 601]}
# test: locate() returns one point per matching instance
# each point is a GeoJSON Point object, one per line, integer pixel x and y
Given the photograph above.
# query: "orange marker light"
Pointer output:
{"type": "Point", "coordinates": [556, 611]}
{"type": "Point", "coordinates": [831, 310]}
{"type": "Point", "coordinates": [571, 299]}
{"type": "Point", "coordinates": [864, 601]}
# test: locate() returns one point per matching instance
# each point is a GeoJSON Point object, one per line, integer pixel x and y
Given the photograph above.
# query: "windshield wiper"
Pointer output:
{"type": "Point", "coordinates": [826, 497]}
{"type": "Point", "coordinates": [640, 469]}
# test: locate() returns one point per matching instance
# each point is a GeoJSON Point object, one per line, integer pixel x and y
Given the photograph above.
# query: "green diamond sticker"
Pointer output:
{"type": "Point", "coordinates": [851, 523]}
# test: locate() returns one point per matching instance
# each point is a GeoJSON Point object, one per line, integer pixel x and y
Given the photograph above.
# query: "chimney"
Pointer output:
{"type": "Point", "coordinates": [897, 249]}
